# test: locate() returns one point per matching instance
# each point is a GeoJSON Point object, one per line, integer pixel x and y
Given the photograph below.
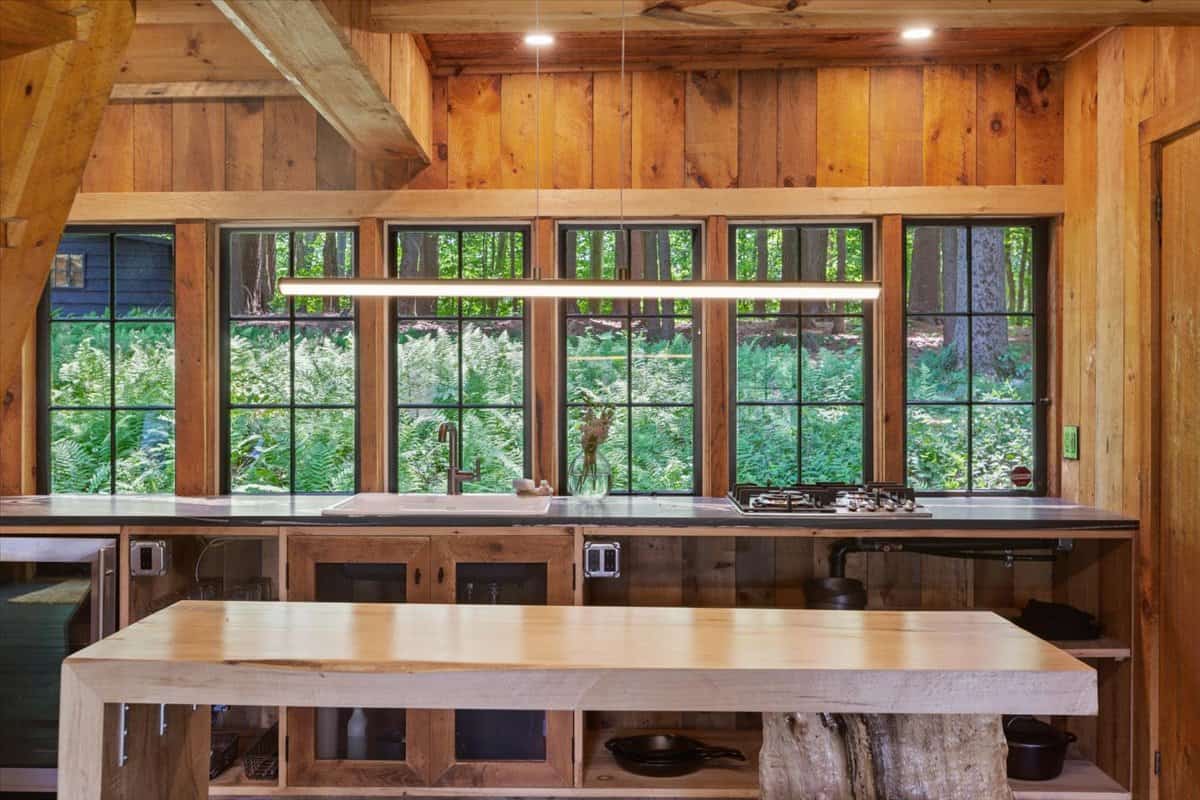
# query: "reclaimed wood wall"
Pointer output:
{"type": "Point", "coordinates": [843, 126]}
{"type": "Point", "coordinates": [1107, 318]}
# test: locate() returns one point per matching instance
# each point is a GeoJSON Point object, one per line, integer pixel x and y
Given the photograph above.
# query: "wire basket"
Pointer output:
{"type": "Point", "coordinates": [261, 761]}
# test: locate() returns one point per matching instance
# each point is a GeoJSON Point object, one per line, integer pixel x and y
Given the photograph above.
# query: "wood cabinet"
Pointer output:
{"type": "Point", "coordinates": [393, 746]}
{"type": "Point", "coordinates": [502, 748]}
{"type": "Point", "coordinates": [418, 747]}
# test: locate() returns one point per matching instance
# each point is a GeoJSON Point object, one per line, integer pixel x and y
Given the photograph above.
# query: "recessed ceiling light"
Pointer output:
{"type": "Point", "coordinates": [916, 34]}
{"type": "Point", "coordinates": [539, 39]}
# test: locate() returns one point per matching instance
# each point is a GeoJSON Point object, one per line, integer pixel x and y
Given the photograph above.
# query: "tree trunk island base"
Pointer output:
{"type": "Point", "coordinates": [883, 757]}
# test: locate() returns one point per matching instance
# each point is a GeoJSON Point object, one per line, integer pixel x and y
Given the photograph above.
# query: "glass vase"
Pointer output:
{"type": "Point", "coordinates": [590, 476]}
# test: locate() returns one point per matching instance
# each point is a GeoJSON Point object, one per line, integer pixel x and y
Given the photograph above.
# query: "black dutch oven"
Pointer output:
{"type": "Point", "coordinates": [1036, 751]}
{"type": "Point", "coordinates": [661, 755]}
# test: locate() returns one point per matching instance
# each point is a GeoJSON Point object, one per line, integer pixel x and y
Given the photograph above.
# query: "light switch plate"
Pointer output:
{"type": "Point", "coordinates": [1070, 442]}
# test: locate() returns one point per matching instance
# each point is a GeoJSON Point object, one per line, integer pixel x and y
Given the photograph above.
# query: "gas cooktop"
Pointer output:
{"type": "Point", "coordinates": [821, 499]}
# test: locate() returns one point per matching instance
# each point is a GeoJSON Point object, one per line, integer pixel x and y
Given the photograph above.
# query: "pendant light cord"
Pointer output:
{"type": "Point", "coordinates": [621, 141]}
{"type": "Point", "coordinates": [537, 136]}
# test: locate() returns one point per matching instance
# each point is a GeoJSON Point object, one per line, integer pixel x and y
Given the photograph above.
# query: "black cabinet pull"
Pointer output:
{"type": "Point", "coordinates": [417, 577]}
{"type": "Point", "coordinates": [441, 574]}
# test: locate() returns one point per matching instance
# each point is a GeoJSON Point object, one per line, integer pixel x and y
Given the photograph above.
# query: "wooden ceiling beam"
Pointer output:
{"type": "Point", "coordinates": [202, 90]}
{"type": "Point", "coordinates": [26, 25]}
{"type": "Point", "coordinates": [494, 16]}
{"type": "Point", "coordinates": [51, 100]}
{"type": "Point", "coordinates": [304, 41]}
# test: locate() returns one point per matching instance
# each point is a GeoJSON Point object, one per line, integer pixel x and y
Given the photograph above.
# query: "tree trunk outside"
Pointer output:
{"type": "Point", "coordinates": [410, 257]}
{"type": "Point", "coordinates": [883, 757]}
{"type": "Point", "coordinates": [595, 264]}
{"type": "Point", "coordinates": [923, 284]}
{"type": "Point", "coordinates": [427, 269]}
{"type": "Point", "coordinates": [791, 266]}
{"type": "Point", "coordinates": [761, 272]}
{"type": "Point", "coordinates": [666, 327]}
{"type": "Point", "coordinates": [991, 332]}
{"type": "Point", "coordinates": [814, 259]}
{"type": "Point", "coordinates": [954, 292]}
{"type": "Point", "coordinates": [839, 323]}
{"type": "Point", "coordinates": [329, 265]}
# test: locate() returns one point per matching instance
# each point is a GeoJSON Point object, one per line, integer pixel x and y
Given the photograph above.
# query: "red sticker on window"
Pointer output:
{"type": "Point", "coordinates": [1021, 476]}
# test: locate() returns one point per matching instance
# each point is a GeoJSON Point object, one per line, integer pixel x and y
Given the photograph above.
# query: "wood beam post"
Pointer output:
{"type": "Point", "coordinates": [715, 370]}
{"type": "Point", "coordinates": [197, 361]}
{"type": "Point", "coordinates": [374, 363]}
{"type": "Point", "coordinates": [18, 424]}
{"type": "Point", "coordinates": [51, 100]}
{"type": "Point", "coordinates": [309, 46]}
{"type": "Point", "coordinates": [544, 345]}
{"type": "Point", "coordinates": [28, 25]}
{"type": "Point", "coordinates": [889, 336]}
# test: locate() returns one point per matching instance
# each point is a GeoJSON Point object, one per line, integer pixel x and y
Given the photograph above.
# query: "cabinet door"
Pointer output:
{"type": "Point", "coordinates": [358, 747]}
{"type": "Point", "coordinates": [472, 747]}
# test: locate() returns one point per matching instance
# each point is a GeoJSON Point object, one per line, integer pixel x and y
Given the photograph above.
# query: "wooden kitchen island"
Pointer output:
{"type": "Point", "coordinates": [565, 658]}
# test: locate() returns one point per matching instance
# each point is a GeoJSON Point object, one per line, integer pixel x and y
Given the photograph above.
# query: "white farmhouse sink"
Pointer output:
{"type": "Point", "coordinates": [378, 504]}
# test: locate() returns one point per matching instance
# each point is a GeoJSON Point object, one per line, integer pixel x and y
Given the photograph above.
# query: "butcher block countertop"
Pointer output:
{"type": "Point", "coordinates": [581, 657]}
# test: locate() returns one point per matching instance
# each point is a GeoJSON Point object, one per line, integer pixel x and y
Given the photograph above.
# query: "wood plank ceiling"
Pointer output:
{"type": "Point", "coordinates": [182, 41]}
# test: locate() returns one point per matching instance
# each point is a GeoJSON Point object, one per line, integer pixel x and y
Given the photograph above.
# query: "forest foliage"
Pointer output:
{"type": "Point", "coordinates": [800, 369]}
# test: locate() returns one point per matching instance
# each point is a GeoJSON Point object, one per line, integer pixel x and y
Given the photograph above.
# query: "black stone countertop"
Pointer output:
{"type": "Point", "coordinates": [966, 513]}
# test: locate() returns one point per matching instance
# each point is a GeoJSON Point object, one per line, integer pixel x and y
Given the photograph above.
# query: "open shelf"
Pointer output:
{"type": "Point", "coordinates": [1095, 648]}
{"type": "Point", "coordinates": [233, 781]}
{"type": "Point", "coordinates": [725, 778]}
{"type": "Point", "coordinates": [1080, 780]}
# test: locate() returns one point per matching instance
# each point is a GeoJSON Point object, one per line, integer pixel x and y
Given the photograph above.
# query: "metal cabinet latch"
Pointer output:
{"type": "Point", "coordinates": [602, 560]}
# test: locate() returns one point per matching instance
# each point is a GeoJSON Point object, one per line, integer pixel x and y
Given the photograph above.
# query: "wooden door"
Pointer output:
{"type": "Point", "coordinates": [502, 748]}
{"type": "Point", "coordinates": [362, 567]}
{"type": "Point", "coordinates": [1179, 467]}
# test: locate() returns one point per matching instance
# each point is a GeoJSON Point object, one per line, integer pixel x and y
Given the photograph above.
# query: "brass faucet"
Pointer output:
{"type": "Point", "coordinates": [455, 477]}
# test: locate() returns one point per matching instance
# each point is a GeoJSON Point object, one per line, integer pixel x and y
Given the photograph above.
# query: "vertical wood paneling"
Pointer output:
{"type": "Point", "coordinates": [896, 135]}
{"type": "Point", "coordinates": [289, 144]}
{"type": "Point", "coordinates": [656, 579]}
{"type": "Point", "coordinates": [197, 374]}
{"type": "Point", "coordinates": [755, 572]}
{"type": "Point", "coordinates": [1108, 285]}
{"type": "Point", "coordinates": [571, 155]}
{"type": "Point", "coordinates": [110, 164]}
{"type": "Point", "coordinates": [793, 566]}
{"type": "Point", "coordinates": [843, 126]}
{"type": "Point", "coordinates": [1039, 126]}
{"type": "Point", "coordinates": [543, 363]}
{"type": "Point", "coordinates": [434, 176]}
{"type": "Point", "coordinates": [1079, 251]}
{"type": "Point", "coordinates": [152, 147]}
{"type": "Point", "coordinates": [244, 145]}
{"type": "Point", "coordinates": [758, 128]}
{"type": "Point", "coordinates": [198, 155]}
{"type": "Point", "coordinates": [715, 374]}
{"type": "Point", "coordinates": [710, 142]}
{"type": "Point", "coordinates": [657, 130]}
{"type": "Point", "coordinates": [19, 405]}
{"type": "Point", "coordinates": [996, 144]}
{"type": "Point", "coordinates": [335, 158]}
{"type": "Point", "coordinates": [949, 126]}
{"type": "Point", "coordinates": [797, 136]}
{"type": "Point", "coordinates": [889, 343]}
{"type": "Point", "coordinates": [374, 375]}
{"type": "Point", "coordinates": [474, 132]}
{"type": "Point", "coordinates": [526, 131]}
{"type": "Point", "coordinates": [708, 571]}
{"type": "Point", "coordinates": [1177, 65]}
{"type": "Point", "coordinates": [612, 134]}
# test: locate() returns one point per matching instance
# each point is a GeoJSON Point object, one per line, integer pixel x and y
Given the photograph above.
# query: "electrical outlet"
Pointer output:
{"type": "Point", "coordinates": [1070, 442]}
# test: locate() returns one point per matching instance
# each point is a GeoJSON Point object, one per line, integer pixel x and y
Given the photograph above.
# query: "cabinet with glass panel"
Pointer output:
{"type": "Point", "coordinates": [409, 747]}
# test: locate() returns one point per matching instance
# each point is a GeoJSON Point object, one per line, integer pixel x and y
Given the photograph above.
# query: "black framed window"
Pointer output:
{"type": "Point", "coordinates": [460, 359]}
{"type": "Point", "coordinates": [289, 377]}
{"type": "Point", "coordinates": [108, 372]}
{"type": "Point", "coordinates": [639, 356]}
{"type": "Point", "coordinates": [975, 316]}
{"type": "Point", "coordinates": [801, 388]}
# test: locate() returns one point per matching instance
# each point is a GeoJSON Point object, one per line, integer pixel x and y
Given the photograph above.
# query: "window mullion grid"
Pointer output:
{"type": "Point", "coordinates": [291, 367]}
{"type": "Point", "coordinates": [459, 414]}
{"type": "Point", "coordinates": [970, 333]}
{"type": "Point", "coordinates": [112, 362]}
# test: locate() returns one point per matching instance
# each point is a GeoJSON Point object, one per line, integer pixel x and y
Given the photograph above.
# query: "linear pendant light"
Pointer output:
{"type": "Point", "coordinates": [559, 288]}
{"type": "Point", "coordinates": [617, 290]}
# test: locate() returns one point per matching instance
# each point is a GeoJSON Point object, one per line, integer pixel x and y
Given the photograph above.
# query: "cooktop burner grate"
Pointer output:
{"type": "Point", "coordinates": [825, 498]}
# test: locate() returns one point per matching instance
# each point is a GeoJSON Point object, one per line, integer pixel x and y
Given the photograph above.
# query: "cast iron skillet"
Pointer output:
{"type": "Point", "coordinates": [661, 755]}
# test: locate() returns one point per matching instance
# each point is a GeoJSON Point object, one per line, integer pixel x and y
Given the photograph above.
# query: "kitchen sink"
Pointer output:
{"type": "Point", "coordinates": [379, 504]}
